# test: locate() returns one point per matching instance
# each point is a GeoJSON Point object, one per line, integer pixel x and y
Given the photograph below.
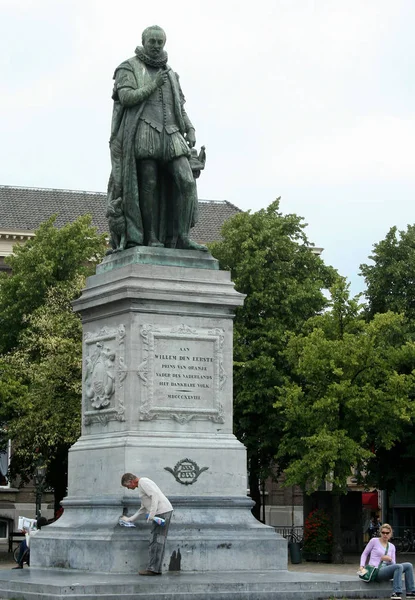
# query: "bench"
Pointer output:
{"type": "Point", "coordinates": [15, 537]}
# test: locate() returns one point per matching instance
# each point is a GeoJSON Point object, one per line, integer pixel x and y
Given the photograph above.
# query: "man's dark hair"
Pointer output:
{"type": "Point", "coordinates": [127, 477]}
{"type": "Point", "coordinates": [41, 522]}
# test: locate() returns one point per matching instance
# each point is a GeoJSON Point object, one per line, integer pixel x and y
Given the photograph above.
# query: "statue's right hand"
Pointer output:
{"type": "Point", "coordinates": [161, 77]}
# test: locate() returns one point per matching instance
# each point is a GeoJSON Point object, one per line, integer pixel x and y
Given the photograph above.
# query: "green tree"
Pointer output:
{"type": "Point", "coordinates": [346, 384]}
{"type": "Point", "coordinates": [12, 395]}
{"type": "Point", "coordinates": [53, 257]}
{"type": "Point", "coordinates": [390, 280]}
{"type": "Point", "coordinates": [273, 263]}
{"type": "Point", "coordinates": [49, 356]}
{"type": "Point", "coordinates": [41, 391]}
{"type": "Point", "coordinates": [390, 286]}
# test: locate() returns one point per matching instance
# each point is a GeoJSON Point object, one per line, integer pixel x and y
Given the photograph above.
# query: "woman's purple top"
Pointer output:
{"type": "Point", "coordinates": [375, 550]}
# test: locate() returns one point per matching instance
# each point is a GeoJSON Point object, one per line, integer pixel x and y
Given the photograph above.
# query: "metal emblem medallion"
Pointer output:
{"type": "Point", "coordinates": [186, 471]}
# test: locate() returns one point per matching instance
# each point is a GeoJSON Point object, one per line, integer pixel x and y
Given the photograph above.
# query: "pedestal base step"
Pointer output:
{"type": "Point", "coordinates": [44, 584]}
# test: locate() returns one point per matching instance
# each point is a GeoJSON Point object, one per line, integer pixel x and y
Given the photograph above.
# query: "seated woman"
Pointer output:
{"type": "Point", "coordinates": [381, 553]}
{"type": "Point", "coordinates": [24, 548]}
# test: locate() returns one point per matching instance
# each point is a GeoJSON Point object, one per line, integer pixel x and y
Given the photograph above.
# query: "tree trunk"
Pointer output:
{"type": "Point", "coordinates": [337, 547]}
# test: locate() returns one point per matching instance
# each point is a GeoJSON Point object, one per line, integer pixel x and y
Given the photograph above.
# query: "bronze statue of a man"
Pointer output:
{"type": "Point", "coordinates": [152, 196]}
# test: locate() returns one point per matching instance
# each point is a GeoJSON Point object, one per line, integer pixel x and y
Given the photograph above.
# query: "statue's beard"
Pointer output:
{"type": "Point", "coordinates": [153, 61]}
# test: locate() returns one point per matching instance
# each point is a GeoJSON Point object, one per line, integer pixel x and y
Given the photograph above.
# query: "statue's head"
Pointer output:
{"type": "Point", "coordinates": [153, 40]}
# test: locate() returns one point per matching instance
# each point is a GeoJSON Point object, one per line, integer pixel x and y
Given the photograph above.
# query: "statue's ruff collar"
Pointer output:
{"type": "Point", "coordinates": [151, 62]}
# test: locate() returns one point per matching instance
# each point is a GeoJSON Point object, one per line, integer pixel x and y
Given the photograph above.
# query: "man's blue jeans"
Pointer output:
{"type": "Point", "coordinates": [158, 536]}
{"type": "Point", "coordinates": [23, 550]}
{"type": "Point", "coordinates": [396, 571]}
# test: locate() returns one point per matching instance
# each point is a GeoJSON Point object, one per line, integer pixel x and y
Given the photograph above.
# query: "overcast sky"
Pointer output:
{"type": "Point", "coordinates": [311, 100]}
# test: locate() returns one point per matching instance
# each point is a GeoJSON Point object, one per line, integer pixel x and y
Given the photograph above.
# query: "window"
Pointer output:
{"type": "Point", "coordinates": [4, 466]}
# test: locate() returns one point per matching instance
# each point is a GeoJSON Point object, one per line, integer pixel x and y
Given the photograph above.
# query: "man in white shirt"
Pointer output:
{"type": "Point", "coordinates": [155, 504]}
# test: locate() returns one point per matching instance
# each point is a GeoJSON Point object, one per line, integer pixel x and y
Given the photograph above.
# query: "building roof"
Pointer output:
{"type": "Point", "coordinates": [23, 208]}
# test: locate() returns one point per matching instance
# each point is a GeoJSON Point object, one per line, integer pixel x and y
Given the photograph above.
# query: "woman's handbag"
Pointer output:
{"type": "Point", "coordinates": [369, 574]}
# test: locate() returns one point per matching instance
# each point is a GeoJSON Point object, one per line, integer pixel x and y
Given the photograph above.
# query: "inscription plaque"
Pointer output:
{"type": "Point", "coordinates": [182, 373]}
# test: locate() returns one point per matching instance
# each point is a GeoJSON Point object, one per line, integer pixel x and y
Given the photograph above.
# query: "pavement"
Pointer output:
{"type": "Point", "coordinates": [304, 581]}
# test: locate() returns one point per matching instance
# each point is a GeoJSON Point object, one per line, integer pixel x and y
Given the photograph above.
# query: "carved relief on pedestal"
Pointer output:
{"type": "Point", "coordinates": [104, 374]}
{"type": "Point", "coordinates": [182, 373]}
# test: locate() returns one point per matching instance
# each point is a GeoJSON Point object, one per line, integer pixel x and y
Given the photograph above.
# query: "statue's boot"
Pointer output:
{"type": "Point", "coordinates": [152, 239]}
{"type": "Point", "coordinates": [147, 199]}
{"type": "Point", "coordinates": [132, 245]}
{"type": "Point", "coordinates": [153, 242]}
{"type": "Point", "coordinates": [187, 244]}
{"type": "Point", "coordinates": [186, 208]}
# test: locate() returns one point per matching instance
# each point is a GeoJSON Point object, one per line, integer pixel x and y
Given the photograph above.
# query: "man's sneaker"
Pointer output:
{"type": "Point", "coordinates": [410, 594]}
{"type": "Point", "coordinates": [396, 596]}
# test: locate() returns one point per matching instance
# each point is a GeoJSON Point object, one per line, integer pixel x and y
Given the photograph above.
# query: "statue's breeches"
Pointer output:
{"type": "Point", "coordinates": [158, 145]}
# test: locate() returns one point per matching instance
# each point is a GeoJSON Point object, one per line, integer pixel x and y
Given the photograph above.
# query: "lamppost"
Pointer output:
{"type": "Point", "coordinates": [40, 474]}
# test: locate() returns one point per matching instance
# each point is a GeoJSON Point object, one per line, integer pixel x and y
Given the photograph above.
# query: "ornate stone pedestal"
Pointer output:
{"type": "Point", "coordinates": [157, 401]}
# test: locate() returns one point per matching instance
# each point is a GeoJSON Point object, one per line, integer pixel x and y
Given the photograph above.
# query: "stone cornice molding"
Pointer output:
{"type": "Point", "coordinates": [16, 235]}
{"type": "Point", "coordinates": [10, 237]}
